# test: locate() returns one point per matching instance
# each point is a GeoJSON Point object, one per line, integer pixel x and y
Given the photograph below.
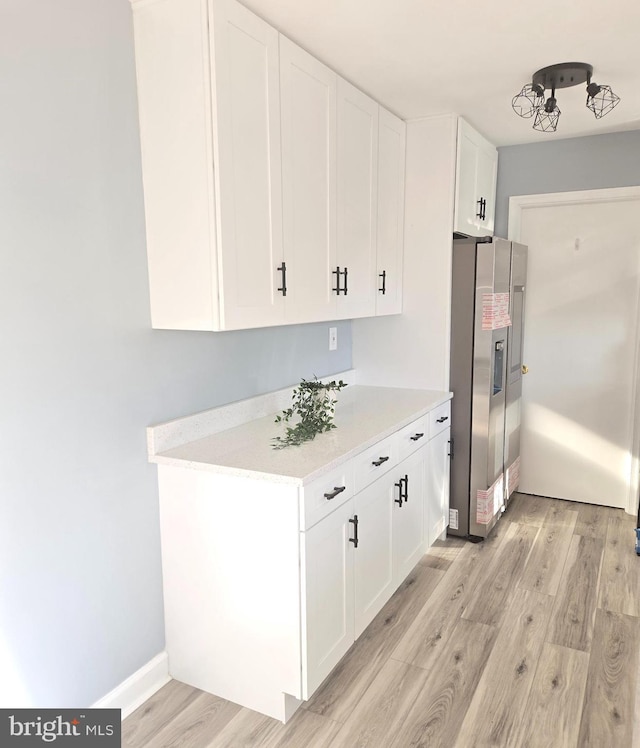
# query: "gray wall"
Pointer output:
{"type": "Point", "coordinates": [588, 163]}
{"type": "Point", "coordinates": [81, 372]}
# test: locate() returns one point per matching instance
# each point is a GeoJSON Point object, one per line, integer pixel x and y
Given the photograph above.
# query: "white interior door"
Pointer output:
{"type": "Point", "coordinates": [580, 344]}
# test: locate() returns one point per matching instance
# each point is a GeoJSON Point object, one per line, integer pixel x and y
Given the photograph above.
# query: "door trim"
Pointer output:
{"type": "Point", "coordinates": [518, 203]}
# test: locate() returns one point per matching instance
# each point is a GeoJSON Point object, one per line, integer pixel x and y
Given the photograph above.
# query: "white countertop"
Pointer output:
{"type": "Point", "coordinates": [364, 416]}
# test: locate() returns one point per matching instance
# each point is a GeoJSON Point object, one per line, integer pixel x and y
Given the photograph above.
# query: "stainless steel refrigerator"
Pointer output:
{"type": "Point", "coordinates": [487, 313]}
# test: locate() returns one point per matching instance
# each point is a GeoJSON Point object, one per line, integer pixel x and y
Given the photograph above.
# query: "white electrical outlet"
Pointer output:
{"type": "Point", "coordinates": [333, 338]}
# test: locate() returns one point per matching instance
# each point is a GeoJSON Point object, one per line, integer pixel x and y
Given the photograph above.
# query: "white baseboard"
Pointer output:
{"type": "Point", "coordinates": [137, 688]}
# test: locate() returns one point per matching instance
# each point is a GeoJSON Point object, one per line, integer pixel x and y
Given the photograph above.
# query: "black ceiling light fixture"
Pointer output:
{"type": "Point", "coordinates": [531, 102]}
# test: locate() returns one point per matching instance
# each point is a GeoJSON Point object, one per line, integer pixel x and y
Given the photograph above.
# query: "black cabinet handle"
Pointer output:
{"type": "Point", "coordinates": [335, 492]}
{"type": "Point", "coordinates": [479, 213]}
{"type": "Point", "coordinates": [283, 270]}
{"type": "Point", "coordinates": [406, 488]}
{"type": "Point", "coordinates": [400, 498]}
{"type": "Point", "coordinates": [484, 209]}
{"type": "Point", "coordinates": [415, 437]}
{"type": "Point", "coordinates": [338, 289]}
{"type": "Point", "coordinates": [379, 461]}
{"type": "Point", "coordinates": [442, 420]}
{"type": "Point", "coordinates": [354, 539]}
{"type": "Point", "coordinates": [383, 275]}
{"type": "Point", "coordinates": [450, 452]}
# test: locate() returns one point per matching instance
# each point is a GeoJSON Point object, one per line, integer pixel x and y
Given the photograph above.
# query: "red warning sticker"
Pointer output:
{"type": "Point", "coordinates": [495, 311]}
{"type": "Point", "coordinates": [489, 502]}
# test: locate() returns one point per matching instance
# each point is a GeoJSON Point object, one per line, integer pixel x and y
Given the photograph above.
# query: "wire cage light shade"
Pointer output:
{"type": "Point", "coordinates": [530, 101]}
{"type": "Point", "coordinates": [601, 99]}
{"type": "Point", "coordinates": [547, 121]}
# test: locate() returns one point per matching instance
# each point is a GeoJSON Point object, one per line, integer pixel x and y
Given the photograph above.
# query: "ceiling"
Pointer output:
{"type": "Point", "coordinates": [423, 57]}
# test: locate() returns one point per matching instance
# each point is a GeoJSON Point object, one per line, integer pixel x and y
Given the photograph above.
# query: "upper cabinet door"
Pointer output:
{"type": "Point", "coordinates": [208, 98]}
{"type": "Point", "coordinates": [308, 118]}
{"type": "Point", "coordinates": [390, 234]}
{"type": "Point", "coordinates": [476, 172]}
{"type": "Point", "coordinates": [245, 66]}
{"type": "Point", "coordinates": [357, 191]}
{"type": "Point", "coordinates": [468, 208]}
{"type": "Point", "coordinates": [486, 177]}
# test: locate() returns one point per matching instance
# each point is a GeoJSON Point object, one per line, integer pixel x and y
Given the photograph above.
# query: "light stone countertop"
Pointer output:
{"type": "Point", "coordinates": [364, 415]}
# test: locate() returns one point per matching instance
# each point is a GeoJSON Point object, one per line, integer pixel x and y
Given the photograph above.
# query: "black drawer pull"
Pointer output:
{"type": "Point", "coordinates": [415, 437]}
{"type": "Point", "coordinates": [379, 462]}
{"type": "Point", "coordinates": [335, 492]}
{"type": "Point", "coordinates": [442, 420]}
{"type": "Point", "coordinates": [354, 539]}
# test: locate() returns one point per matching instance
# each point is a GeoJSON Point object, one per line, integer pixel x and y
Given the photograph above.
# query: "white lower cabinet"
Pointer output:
{"type": "Point", "coordinates": [268, 582]}
{"type": "Point", "coordinates": [356, 558]}
{"type": "Point", "coordinates": [373, 564]}
{"type": "Point", "coordinates": [327, 590]}
{"type": "Point", "coordinates": [437, 490]}
{"type": "Point", "coordinates": [408, 516]}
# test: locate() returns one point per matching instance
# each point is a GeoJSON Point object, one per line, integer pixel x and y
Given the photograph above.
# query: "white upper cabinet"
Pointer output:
{"type": "Point", "coordinates": [308, 93]}
{"type": "Point", "coordinates": [357, 196]}
{"type": "Point", "coordinates": [248, 178]}
{"type": "Point", "coordinates": [476, 174]}
{"type": "Point", "coordinates": [208, 94]}
{"type": "Point", "coordinates": [274, 191]}
{"type": "Point", "coordinates": [390, 232]}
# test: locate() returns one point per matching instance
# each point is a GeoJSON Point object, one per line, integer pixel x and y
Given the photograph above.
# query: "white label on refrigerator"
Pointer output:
{"type": "Point", "coordinates": [513, 476]}
{"type": "Point", "coordinates": [495, 311]}
{"type": "Point", "coordinates": [489, 502]}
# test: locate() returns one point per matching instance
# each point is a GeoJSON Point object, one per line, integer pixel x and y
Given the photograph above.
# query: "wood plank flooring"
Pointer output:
{"type": "Point", "coordinates": [529, 639]}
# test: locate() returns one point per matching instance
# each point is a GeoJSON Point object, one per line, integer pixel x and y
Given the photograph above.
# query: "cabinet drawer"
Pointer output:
{"type": "Point", "coordinates": [413, 436]}
{"type": "Point", "coordinates": [325, 494]}
{"type": "Point", "coordinates": [439, 419]}
{"type": "Point", "coordinates": [375, 461]}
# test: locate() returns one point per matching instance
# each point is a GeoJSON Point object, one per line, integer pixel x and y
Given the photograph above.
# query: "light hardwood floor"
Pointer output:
{"type": "Point", "coordinates": [531, 638]}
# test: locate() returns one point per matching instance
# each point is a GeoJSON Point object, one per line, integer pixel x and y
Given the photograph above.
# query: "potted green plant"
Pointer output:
{"type": "Point", "coordinates": [314, 404]}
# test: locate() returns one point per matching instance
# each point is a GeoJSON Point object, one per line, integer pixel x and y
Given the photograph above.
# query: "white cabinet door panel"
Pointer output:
{"type": "Point", "coordinates": [374, 554]}
{"type": "Point", "coordinates": [308, 112]}
{"type": "Point", "coordinates": [467, 210]}
{"type": "Point", "coordinates": [486, 178]}
{"type": "Point", "coordinates": [390, 234]}
{"type": "Point", "coordinates": [408, 517]}
{"type": "Point", "coordinates": [357, 172]}
{"type": "Point", "coordinates": [327, 578]}
{"type": "Point", "coordinates": [476, 173]}
{"type": "Point", "coordinates": [248, 179]}
{"type": "Point", "coordinates": [437, 489]}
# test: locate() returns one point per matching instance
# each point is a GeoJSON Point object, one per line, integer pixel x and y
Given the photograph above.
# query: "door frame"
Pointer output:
{"type": "Point", "coordinates": [518, 203]}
